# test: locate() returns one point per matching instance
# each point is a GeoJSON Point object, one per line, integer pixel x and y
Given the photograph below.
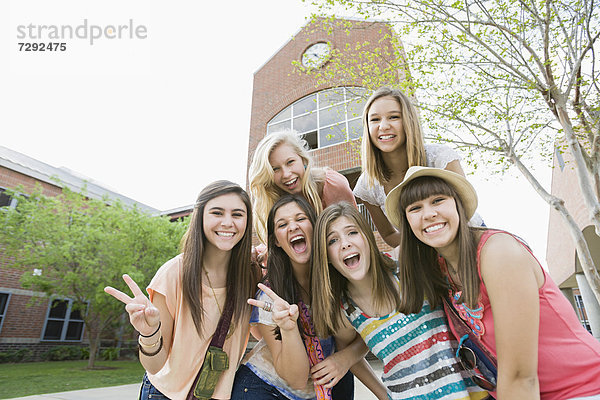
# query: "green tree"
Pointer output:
{"type": "Point", "coordinates": [82, 245]}
{"type": "Point", "coordinates": [513, 79]}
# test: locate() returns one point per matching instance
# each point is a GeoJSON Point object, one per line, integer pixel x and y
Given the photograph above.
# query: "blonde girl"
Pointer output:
{"type": "Point", "coordinates": [393, 142]}
{"type": "Point", "coordinates": [353, 281]}
{"type": "Point", "coordinates": [189, 292]}
{"type": "Point", "coordinates": [281, 164]}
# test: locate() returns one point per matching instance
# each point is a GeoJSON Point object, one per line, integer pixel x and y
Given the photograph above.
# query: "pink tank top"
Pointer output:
{"type": "Point", "coordinates": [568, 356]}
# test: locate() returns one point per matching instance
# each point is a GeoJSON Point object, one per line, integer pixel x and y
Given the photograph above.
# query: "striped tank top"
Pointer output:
{"type": "Point", "coordinates": [418, 360]}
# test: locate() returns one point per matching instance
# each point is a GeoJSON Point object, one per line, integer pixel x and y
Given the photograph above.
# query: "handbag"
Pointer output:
{"type": "Point", "coordinates": [485, 361]}
{"type": "Point", "coordinates": [215, 360]}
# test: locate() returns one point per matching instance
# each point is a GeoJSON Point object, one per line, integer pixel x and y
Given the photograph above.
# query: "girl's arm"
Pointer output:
{"type": "Point", "coordinates": [151, 319]}
{"type": "Point", "coordinates": [155, 363]}
{"type": "Point", "coordinates": [388, 233]}
{"type": "Point", "coordinates": [506, 264]}
{"type": "Point", "coordinates": [289, 355]}
{"type": "Point", "coordinates": [350, 354]}
{"type": "Point", "coordinates": [455, 166]}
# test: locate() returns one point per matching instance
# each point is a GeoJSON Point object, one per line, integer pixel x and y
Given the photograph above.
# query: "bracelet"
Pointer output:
{"type": "Point", "coordinates": [144, 352]}
{"type": "Point", "coordinates": [147, 345]}
{"type": "Point", "coordinates": [154, 333]}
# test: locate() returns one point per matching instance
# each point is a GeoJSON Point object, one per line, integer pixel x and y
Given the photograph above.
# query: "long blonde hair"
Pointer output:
{"type": "Point", "coordinates": [265, 193]}
{"type": "Point", "coordinates": [329, 288]}
{"type": "Point", "coordinates": [373, 166]}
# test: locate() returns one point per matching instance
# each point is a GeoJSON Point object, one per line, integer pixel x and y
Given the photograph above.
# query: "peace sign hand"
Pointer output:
{"type": "Point", "coordinates": [283, 314]}
{"type": "Point", "coordinates": [142, 314]}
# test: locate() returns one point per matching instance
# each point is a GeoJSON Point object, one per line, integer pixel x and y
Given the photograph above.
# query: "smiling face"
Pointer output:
{"type": "Point", "coordinates": [386, 129]}
{"type": "Point", "coordinates": [224, 221]}
{"type": "Point", "coordinates": [348, 249]}
{"type": "Point", "coordinates": [434, 221]}
{"type": "Point", "coordinates": [288, 168]}
{"type": "Point", "coordinates": [293, 233]}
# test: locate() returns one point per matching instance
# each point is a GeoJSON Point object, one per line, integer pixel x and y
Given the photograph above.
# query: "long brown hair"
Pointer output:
{"type": "Point", "coordinates": [280, 273]}
{"type": "Point", "coordinates": [242, 275]}
{"type": "Point", "coordinates": [329, 287]}
{"type": "Point", "coordinates": [420, 274]}
{"type": "Point", "coordinates": [373, 166]}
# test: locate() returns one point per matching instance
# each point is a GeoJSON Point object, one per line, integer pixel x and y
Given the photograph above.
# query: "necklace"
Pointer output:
{"type": "Point", "coordinates": [232, 324]}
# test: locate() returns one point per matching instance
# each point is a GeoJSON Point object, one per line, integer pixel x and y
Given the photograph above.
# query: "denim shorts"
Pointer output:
{"type": "Point", "coordinates": [248, 386]}
{"type": "Point", "coordinates": [148, 391]}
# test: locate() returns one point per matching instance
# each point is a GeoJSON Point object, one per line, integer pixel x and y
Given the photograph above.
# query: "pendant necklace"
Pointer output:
{"type": "Point", "coordinates": [232, 324]}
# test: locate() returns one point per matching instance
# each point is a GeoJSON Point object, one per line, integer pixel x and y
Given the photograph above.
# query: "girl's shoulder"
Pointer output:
{"type": "Point", "coordinates": [440, 155]}
{"type": "Point", "coordinates": [500, 245]}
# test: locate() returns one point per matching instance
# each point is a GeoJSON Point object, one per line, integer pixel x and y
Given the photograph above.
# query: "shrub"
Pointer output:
{"type": "Point", "coordinates": [110, 353]}
{"type": "Point", "coordinates": [19, 355]}
{"type": "Point", "coordinates": [61, 353]}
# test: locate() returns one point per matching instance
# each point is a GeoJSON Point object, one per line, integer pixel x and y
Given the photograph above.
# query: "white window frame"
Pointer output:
{"type": "Point", "coordinates": [3, 312]}
{"type": "Point", "coordinates": [346, 120]}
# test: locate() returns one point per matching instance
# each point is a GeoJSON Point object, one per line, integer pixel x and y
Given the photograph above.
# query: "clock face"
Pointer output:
{"type": "Point", "coordinates": [316, 55]}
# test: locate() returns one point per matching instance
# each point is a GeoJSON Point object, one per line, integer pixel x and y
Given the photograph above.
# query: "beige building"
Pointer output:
{"type": "Point", "coordinates": [561, 254]}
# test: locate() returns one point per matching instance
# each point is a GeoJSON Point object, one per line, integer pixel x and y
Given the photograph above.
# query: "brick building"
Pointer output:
{"type": "Point", "coordinates": [327, 115]}
{"type": "Point", "coordinates": [42, 324]}
{"type": "Point", "coordinates": [561, 253]}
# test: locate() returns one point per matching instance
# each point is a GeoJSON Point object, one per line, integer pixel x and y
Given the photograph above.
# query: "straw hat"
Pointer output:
{"type": "Point", "coordinates": [465, 190]}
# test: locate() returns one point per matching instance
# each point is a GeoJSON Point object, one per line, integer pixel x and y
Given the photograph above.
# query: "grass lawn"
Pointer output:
{"type": "Point", "coordinates": [25, 379]}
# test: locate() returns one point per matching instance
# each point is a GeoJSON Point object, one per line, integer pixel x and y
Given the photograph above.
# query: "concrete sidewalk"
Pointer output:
{"type": "Point", "coordinates": [131, 392]}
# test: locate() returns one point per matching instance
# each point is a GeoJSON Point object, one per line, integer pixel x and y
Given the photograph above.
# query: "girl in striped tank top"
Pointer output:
{"type": "Point", "coordinates": [352, 280]}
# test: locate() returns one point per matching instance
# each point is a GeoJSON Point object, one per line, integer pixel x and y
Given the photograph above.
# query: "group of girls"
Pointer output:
{"type": "Point", "coordinates": [328, 294]}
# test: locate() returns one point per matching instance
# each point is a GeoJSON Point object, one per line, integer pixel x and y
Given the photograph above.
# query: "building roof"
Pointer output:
{"type": "Point", "coordinates": [64, 177]}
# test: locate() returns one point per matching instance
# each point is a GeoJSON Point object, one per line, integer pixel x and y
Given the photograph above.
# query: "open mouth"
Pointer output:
{"type": "Point", "coordinates": [434, 228]}
{"type": "Point", "coordinates": [291, 183]}
{"type": "Point", "coordinates": [298, 244]}
{"type": "Point", "coordinates": [352, 260]}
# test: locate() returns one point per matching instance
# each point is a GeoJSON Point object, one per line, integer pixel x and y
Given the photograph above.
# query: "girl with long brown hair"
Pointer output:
{"type": "Point", "coordinates": [189, 293]}
{"type": "Point", "coordinates": [494, 287]}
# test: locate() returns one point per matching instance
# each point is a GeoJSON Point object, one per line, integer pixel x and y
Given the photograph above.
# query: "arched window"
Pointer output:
{"type": "Point", "coordinates": [324, 118]}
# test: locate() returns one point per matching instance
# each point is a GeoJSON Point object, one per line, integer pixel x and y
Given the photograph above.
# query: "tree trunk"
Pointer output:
{"type": "Point", "coordinates": [581, 171]}
{"type": "Point", "coordinates": [583, 251]}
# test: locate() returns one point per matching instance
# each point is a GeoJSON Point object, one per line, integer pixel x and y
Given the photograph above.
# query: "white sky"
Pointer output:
{"type": "Point", "coordinates": [157, 119]}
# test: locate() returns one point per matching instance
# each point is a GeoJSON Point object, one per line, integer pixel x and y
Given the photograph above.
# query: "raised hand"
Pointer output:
{"type": "Point", "coordinates": [283, 314]}
{"type": "Point", "coordinates": [142, 314]}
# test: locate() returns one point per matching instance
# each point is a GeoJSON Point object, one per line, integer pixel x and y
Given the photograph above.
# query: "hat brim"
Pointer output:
{"type": "Point", "coordinates": [465, 191]}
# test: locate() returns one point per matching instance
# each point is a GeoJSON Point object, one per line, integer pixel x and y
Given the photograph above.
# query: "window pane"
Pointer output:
{"type": "Point", "coordinates": [3, 300]}
{"type": "Point", "coordinates": [286, 113]}
{"type": "Point", "coordinates": [286, 125]}
{"type": "Point", "coordinates": [332, 115]}
{"type": "Point", "coordinates": [305, 123]}
{"type": "Point", "coordinates": [356, 128]}
{"type": "Point", "coordinates": [59, 309]}
{"type": "Point", "coordinates": [76, 313]}
{"type": "Point", "coordinates": [305, 105]}
{"type": "Point", "coordinates": [53, 330]}
{"type": "Point", "coordinates": [311, 139]}
{"type": "Point", "coordinates": [4, 198]}
{"type": "Point", "coordinates": [332, 135]}
{"type": "Point", "coordinates": [74, 331]}
{"type": "Point", "coordinates": [356, 108]}
{"type": "Point", "coordinates": [330, 97]}
{"type": "Point", "coordinates": [353, 92]}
